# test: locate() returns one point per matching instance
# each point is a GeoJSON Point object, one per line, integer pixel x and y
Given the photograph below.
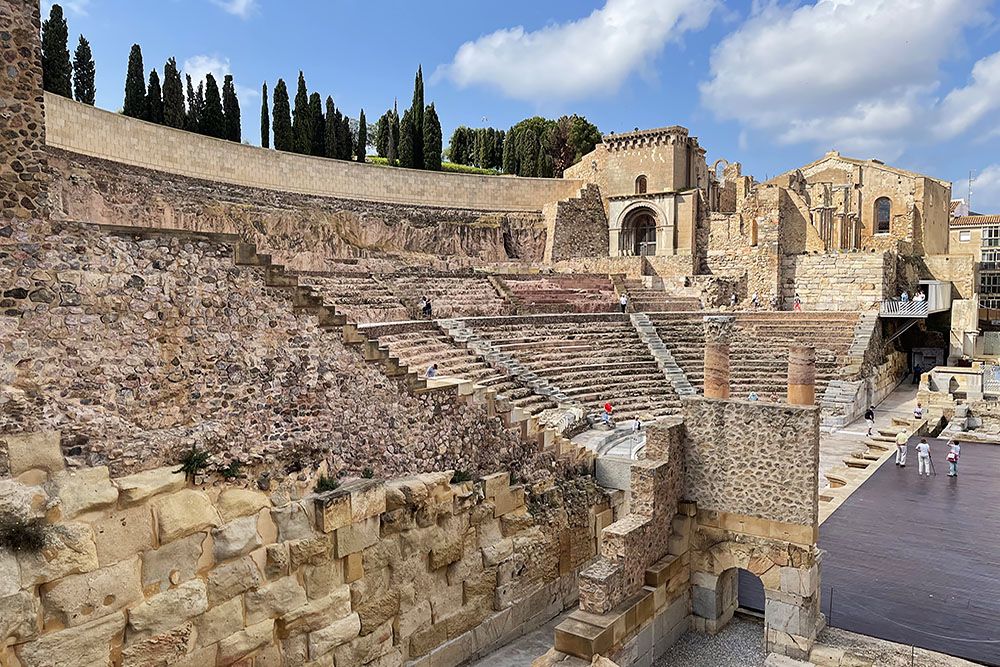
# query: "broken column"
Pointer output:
{"type": "Point", "coordinates": [801, 375]}
{"type": "Point", "coordinates": [717, 330]}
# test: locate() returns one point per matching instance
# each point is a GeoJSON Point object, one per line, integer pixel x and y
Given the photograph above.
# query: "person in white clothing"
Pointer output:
{"type": "Point", "coordinates": [901, 439]}
{"type": "Point", "coordinates": [432, 371]}
{"type": "Point", "coordinates": [954, 451]}
{"type": "Point", "coordinates": [623, 301]}
{"type": "Point", "coordinates": [923, 458]}
{"type": "Point", "coordinates": [918, 412]}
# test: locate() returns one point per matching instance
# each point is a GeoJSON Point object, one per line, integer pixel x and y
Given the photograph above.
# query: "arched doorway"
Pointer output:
{"type": "Point", "coordinates": [638, 235]}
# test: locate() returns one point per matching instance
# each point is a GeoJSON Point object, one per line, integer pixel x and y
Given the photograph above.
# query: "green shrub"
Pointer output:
{"type": "Point", "coordinates": [22, 535]}
{"type": "Point", "coordinates": [324, 484]}
{"type": "Point", "coordinates": [367, 473]}
{"type": "Point", "coordinates": [193, 463]}
{"type": "Point", "coordinates": [460, 476]}
{"type": "Point", "coordinates": [231, 471]}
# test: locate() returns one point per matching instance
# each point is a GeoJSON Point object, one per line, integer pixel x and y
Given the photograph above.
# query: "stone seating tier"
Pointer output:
{"type": "Point", "coordinates": [644, 299]}
{"type": "Point", "coordinates": [589, 293]}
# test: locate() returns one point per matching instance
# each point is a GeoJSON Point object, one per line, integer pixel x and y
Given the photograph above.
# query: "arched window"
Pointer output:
{"type": "Point", "coordinates": [640, 185]}
{"type": "Point", "coordinates": [883, 214]}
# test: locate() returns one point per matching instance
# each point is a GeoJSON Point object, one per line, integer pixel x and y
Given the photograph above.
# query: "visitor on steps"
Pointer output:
{"type": "Point", "coordinates": [917, 371]}
{"type": "Point", "coordinates": [923, 458]}
{"type": "Point", "coordinates": [623, 301]}
{"type": "Point", "coordinates": [752, 396]}
{"type": "Point", "coordinates": [797, 304]}
{"type": "Point", "coordinates": [918, 412]}
{"type": "Point", "coordinates": [774, 302]}
{"type": "Point", "coordinates": [732, 300]}
{"type": "Point", "coordinates": [901, 439]}
{"type": "Point", "coordinates": [606, 416]}
{"type": "Point", "coordinates": [432, 371]}
{"type": "Point", "coordinates": [426, 307]}
{"type": "Point", "coordinates": [870, 418]}
{"type": "Point", "coordinates": [755, 301]}
{"type": "Point", "coordinates": [954, 451]}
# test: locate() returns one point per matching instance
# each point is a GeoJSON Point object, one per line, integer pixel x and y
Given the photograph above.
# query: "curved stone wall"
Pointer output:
{"type": "Point", "coordinates": [83, 129]}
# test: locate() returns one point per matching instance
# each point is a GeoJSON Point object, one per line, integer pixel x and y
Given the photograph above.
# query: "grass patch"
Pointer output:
{"type": "Point", "coordinates": [445, 166]}
{"type": "Point", "coordinates": [193, 463]}
{"type": "Point", "coordinates": [460, 476]}
{"type": "Point", "coordinates": [324, 484]}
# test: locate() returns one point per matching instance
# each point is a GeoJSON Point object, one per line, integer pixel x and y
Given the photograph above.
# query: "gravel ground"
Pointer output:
{"type": "Point", "coordinates": [740, 644]}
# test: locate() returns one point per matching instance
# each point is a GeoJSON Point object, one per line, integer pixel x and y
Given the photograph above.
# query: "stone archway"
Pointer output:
{"type": "Point", "coordinates": [638, 232]}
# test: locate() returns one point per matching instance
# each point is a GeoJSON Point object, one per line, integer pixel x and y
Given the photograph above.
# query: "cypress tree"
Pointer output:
{"type": "Point", "coordinates": [265, 120]}
{"type": "Point", "coordinates": [302, 119]}
{"type": "Point", "coordinates": [345, 138]}
{"type": "Point", "coordinates": [213, 120]}
{"type": "Point", "coordinates": [362, 149]}
{"type": "Point", "coordinates": [417, 118]}
{"type": "Point", "coordinates": [191, 120]}
{"type": "Point", "coordinates": [330, 128]}
{"type": "Point", "coordinates": [394, 135]}
{"type": "Point", "coordinates": [432, 139]}
{"type": "Point", "coordinates": [56, 68]}
{"type": "Point", "coordinates": [284, 139]}
{"type": "Point", "coordinates": [231, 110]}
{"type": "Point", "coordinates": [83, 73]}
{"type": "Point", "coordinates": [406, 133]}
{"type": "Point", "coordinates": [135, 85]}
{"type": "Point", "coordinates": [173, 95]}
{"type": "Point", "coordinates": [318, 125]}
{"type": "Point", "coordinates": [154, 99]}
{"type": "Point", "coordinates": [457, 148]}
{"type": "Point", "coordinates": [382, 132]}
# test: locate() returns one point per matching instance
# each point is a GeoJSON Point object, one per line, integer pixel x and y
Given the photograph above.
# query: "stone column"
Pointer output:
{"type": "Point", "coordinates": [801, 375]}
{"type": "Point", "coordinates": [717, 331]}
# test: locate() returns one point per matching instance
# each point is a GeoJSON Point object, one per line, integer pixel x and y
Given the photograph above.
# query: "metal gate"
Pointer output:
{"type": "Point", "coordinates": [991, 343]}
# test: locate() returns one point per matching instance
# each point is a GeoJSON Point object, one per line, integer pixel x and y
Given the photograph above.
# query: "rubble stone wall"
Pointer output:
{"type": "Point", "coordinates": [579, 227]}
{"type": "Point", "coordinates": [150, 570]}
{"type": "Point", "coordinates": [135, 349]}
{"type": "Point", "coordinates": [839, 281]}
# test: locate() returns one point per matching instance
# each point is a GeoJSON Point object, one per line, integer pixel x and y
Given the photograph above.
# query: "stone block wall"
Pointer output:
{"type": "Point", "coordinates": [578, 227]}
{"type": "Point", "coordinates": [22, 113]}
{"type": "Point", "coordinates": [841, 281]}
{"type": "Point", "coordinates": [149, 570]}
{"type": "Point", "coordinates": [136, 349]}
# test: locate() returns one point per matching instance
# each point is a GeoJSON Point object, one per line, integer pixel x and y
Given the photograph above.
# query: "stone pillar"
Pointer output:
{"type": "Point", "coordinates": [717, 331]}
{"type": "Point", "coordinates": [22, 116]}
{"type": "Point", "coordinates": [801, 375]}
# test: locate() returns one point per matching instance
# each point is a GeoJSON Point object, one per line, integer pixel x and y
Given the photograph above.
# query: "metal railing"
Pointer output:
{"type": "Point", "coordinates": [897, 308]}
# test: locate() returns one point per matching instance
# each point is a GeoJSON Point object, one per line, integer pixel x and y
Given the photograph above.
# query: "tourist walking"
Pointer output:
{"type": "Point", "coordinates": [426, 308]}
{"type": "Point", "coordinates": [917, 371]}
{"type": "Point", "coordinates": [623, 301]}
{"type": "Point", "coordinates": [774, 302]}
{"type": "Point", "coordinates": [797, 303]}
{"type": "Point", "coordinates": [918, 412]}
{"type": "Point", "coordinates": [606, 416]}
{"type": "Point", "coordinates": [954, 451]}
{"type": "Point", "coordinates": [755, 301]}
{"type": "Point", "coordinates": [732, 300]}
{"type": "Point", "coordinates": [901, 439]}
{"type": "Point", "coordinates": [870, 418]}
{"type": "Point", "coordinates": [924, 464]}
{"type": "Point", "coordinates": [432, 371]}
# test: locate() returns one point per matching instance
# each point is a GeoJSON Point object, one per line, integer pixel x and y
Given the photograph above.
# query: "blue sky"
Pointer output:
{"type": "Point", "coordinates": [771, 84]}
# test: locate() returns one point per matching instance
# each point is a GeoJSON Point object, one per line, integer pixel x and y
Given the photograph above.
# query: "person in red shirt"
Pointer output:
{"type": "Point", "coordinates": [606, 417]}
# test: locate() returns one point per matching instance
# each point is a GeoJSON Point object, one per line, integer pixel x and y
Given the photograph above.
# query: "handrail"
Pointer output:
{"type": "Point", "coordinates": [896, 307]}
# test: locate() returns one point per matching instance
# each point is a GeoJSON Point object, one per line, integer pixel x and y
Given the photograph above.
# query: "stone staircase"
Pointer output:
{"type": "Point", "coordinates": [649, 296]}
{"type": "Point", "coordinates": [843, 400]}
{"type": "Point", "coordinates": [647, 334]}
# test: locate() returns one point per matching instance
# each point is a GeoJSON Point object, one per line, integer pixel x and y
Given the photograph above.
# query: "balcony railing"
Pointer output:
{"type": "Point", "coordinates": [897, 308]}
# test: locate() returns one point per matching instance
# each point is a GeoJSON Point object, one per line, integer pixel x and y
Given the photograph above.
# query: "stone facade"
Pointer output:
{"type": "Point", "coordinates": [22, 113]}
{"type": "Point", "coordinates": [843, 281]}
{"type": "Point", "coordinates": [147, 570]}
{"type": "Point", "coordinates": [577, 227]}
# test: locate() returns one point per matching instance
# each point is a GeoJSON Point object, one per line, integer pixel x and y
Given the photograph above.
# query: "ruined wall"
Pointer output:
{"type": "Point", "coordinates": [578, 227]}
{"type": "Point", "coordinates": [89, 131]}
{"type": "Point", "coordinates": [959, 270]}
{"type": "Point", "coordinates": [301, 231]}
{"type": "Point", "coordinates": [135, 350]}
{"type": "Point", "coordinates": [841, 281]}
{"type": "Point", "coordinates": [22, 113]}
{"type": "Point", "coordinates": [149, 570]}
{"type": "Point", "coordinates": [752, 459]}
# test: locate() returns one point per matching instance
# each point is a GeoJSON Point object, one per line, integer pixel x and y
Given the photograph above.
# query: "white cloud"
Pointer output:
{"type": "Point", "coordinates": [986, 190]}
{"type": "Point", "coordinates": [200, 65]}
{"type": "Point", "coordinates": [78, 7]}
{"type": "Point", "coordinates": [241, 8]}
{"type": "Point", "coordinates": [963, 108]}
{"type": "Point", "coordinates": [852, 74]}
{"type": "Point", "coordinates": [571, 60]}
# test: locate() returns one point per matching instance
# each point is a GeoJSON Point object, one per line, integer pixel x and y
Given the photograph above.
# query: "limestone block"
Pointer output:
{"type": "Point", "coordinates": [498, 552]}
{"type": "Point", "coordinates": [333, 510]}
{"type": "Point", "coordinates": [315, 614]}
{"type": "Point", "coordinates": [10, 574]}
{"type": "Point", "coordinates": [783, 617]}
{"type": "Point", "coordinates": [446, 600]}
{"type": "Point", "coordinates": [269, 656]}
{"type": "Point", "coordinates": [296, 650]}
{"type": "Point", "coordinates": [495, 484]}
{"type": "Point", "coordinates": [172, 563]}
{"type": "Point", "coordinates": [276, 560]}
{"type": "Point", "coordinates": [34, 451]}
{"type": "Point", "coordinates": [320, 580]}
{"type": "Point", "coordinates": [495, 630]}
{"type": "Point", "coordinates": [169, 609]}
{"type": "Point", "coordinates": [311, 550]}
{"type": "Point", "coordinates": [412, 619]}
{"type": "Point", "coordinates": [293, 522]}
{"type": "Point", "coordinates": [125, 533]}
{"type": "Point", "coordinates": [367, 648]}
{"type": "Point", "coordinates": [80, 598]}
{"type": "Point", "coordinates": [468, 616]}
{"type": "Point", "coordinates": [18, 617]}
{"type": "Point", "coordinates": [384, 553]}
{"type": "Point", "coordinates": [376, 610]}
{"type": "Point", "coordinates": [88, 644]}
{"type": "Point", "coordinates": [83, 490]}
{"type": "Point", "coordinates": [182, 513]}
{"type": "Point", "coordinates": [236, 503]}
{"type": "Point", "coordinates": [236, 647]}
{"type": "Point", "coordinates": [353, 567]}
{"type": "Point", "coordinates": [357, 536]}
{"type": "Point", "coordinates": [367, 500]}
{"type": "Point", "coordinates": [326, 639]}
{"type": "Point", "coordinates": [394, 658]}
{"type": "Point", "coordinates": [69, 549]}
{"type": "Point", "coordinates": [231, 579]}
{"type": "Point", "coordinates": [219, 622]}
{"type": "Point", "coordinates": [481, 583]}
{"type": "Point", "coordinates": [447, 552]}
{"type": "Point", "coordinates": [420, 540]}
{"type": "Point", "coordinates": [236, 538]}
{"type": "Point", "coordinates": [136, 488]}
{"type": "Point", "coordinates": [274, 599]}
{"type": "Point", "coordinates": [163, 649]}
{"type": "Point", "coordinates": [426, 640]}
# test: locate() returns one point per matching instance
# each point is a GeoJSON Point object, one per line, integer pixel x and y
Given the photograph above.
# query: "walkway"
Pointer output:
{"type": "Point", "coordinates": [914, 559]}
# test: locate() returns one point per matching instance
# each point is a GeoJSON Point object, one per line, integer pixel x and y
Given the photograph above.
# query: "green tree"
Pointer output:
{"type": "Point", "coordinates": [345, 138]}
{"type": "Point", "coordinates": [284, 137]}
{"type": "Point", "coordinates": [57, 72]}
{"type": "Point", "coordinates": [154, 99]}
{"type": "Point", "coordinates": [406, 132]}
{"type": "Point", "coordinates": [265, 119]}
{"type": "Point", "coordinates": [213, 119]}
{"type": "Point", "coordinates": [432, 139]}
{"type": "Point", "coordinates": [302, 119]}
{"type": "Point", "coordinates": [362, 150]}
{"type": "Point", "coordinates": [231, 110]}
{"type": "Point", "coordinates": [317, 144]}
{"type": "Point", "coordinates": [331, 127]}
{"type": "Point", "coordinates": [393, 156]}
{"type": "Point", "coordinates": [569, 139]}
{"type": "Point", "coordinates": [458, 145]}
{"type": "Point", "coordinates": [383, 131]}
{"type": "Point", "coordinates": [83, 73]}
{"type": "Point", "coordinates": [417, 119]}
{"type": "Point", "coordinates": [173, 95]}
{"type": "Point", "coordinates": [509, 163]}
{"type": "Point", "coordinates": [192, 119]}
{"type": "Point", "coordinates": [135, 85]}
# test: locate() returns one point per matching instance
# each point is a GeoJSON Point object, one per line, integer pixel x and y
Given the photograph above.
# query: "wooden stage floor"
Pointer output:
{"type": "Point", "coordinates": [916, 560]}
